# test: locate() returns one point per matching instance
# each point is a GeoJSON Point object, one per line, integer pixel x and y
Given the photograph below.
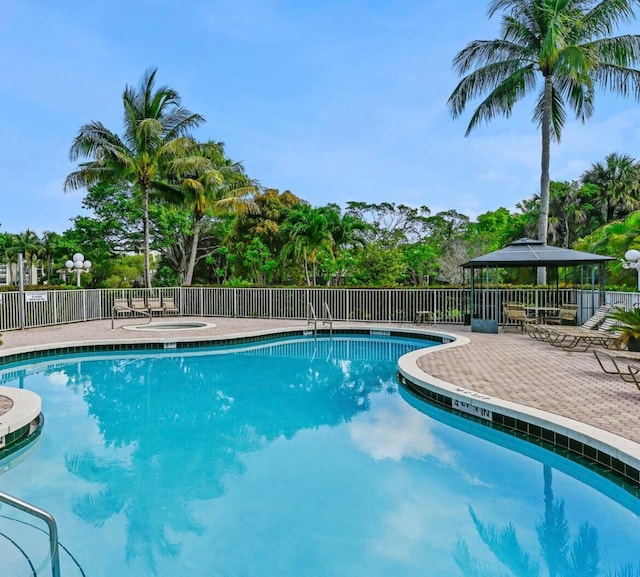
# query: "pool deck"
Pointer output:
{"type": "Point", "coordinates": [509, 366]}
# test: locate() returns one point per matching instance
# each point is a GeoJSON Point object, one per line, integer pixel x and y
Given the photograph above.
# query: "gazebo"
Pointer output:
{"type": "Point", "coordinates": [528, 252]}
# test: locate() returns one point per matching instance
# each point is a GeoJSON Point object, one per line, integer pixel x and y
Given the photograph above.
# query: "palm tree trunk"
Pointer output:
{"type": "Point", "coordinates": [192, 255]}
{"type": "Point", "coordinates": [306, 270]}
{"type": "Point", "coordinates": [543, 223]}
{"type": "Point", "coordinates": [145, 233]}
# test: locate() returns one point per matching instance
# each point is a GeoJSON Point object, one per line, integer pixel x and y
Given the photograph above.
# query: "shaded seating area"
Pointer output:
{"type": "Point", "coordinates": [534, 254]}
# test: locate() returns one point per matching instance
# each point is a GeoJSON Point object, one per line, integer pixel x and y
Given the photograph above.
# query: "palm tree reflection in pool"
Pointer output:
{"type": "Point", "coordinates": [582, 559]}
{"type": "Point", "coordinates": [180, 455]}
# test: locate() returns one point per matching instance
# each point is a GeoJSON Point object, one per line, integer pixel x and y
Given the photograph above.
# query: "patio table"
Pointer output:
{"type": "Point", "coordinates": [542, 312]}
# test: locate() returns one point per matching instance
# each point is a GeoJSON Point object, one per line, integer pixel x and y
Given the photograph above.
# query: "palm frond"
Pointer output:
{"type": "Point", "coordinates": [622, 81]}
{"type": "Point", "coordinates": [180, 122]}
{"type": "Point", "coordinates": [511, 6]}
{"type": "Point", "coordinates": [482, 53]}
{"type": "Point", "coordinates": [501, 100]}
{"type": "Point", "coordinates": [606, 16]}
{"type": "Point", "coordinates": [558, 113]}
{"type": "Point", "coordinates": [622, 51]}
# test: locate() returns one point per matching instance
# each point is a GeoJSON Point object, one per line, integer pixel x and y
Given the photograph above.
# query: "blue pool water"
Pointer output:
{"type": "Point", "coordinates": [297, 458]}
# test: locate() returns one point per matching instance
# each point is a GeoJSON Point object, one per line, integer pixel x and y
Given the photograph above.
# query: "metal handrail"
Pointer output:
{"type": "Point", "coordinates": [121, 308]}
{"type": "Point", "coordinates": [47, 518]}
{"type": "Point", "coordinates": [311, 317]}
{"type": "Point", "coordinates": [329, 319]}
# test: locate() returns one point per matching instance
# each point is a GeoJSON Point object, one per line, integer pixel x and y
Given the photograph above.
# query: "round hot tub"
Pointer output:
{"type": "Point", "coordinates": [171, 326]}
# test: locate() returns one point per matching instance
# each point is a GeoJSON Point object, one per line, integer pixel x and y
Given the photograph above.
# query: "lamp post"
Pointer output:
{"type": "Point", "coordinates": [78, 265]}
{"type": "Point", "coordinates": [632, 260]}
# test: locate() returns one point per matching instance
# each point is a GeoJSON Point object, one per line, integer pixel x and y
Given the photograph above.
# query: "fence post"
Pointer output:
{"type": "Point", "coordinates": [21, 289]}
{"type": "Point", "coordinates": [235, 302]}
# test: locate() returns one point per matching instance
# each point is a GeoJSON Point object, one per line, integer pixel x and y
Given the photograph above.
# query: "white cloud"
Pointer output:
{"type": "Point", "coordinates": [396, 432]}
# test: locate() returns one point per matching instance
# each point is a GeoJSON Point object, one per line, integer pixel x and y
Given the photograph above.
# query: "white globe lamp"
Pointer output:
{"type": "Point", "coordinates": [77, 266]}
{"type": "Point", "coordinates": [632, 261]}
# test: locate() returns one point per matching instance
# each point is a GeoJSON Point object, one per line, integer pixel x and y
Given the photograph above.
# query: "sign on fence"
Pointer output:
{"type": "Point", "coordinates": [34, 297]}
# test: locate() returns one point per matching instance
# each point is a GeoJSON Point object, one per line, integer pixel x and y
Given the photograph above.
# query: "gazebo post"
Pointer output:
{"type": "Point", "coordinates": [471, 295]}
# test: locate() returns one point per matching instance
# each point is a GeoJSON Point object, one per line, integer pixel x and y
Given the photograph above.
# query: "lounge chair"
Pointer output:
{"type": "Point", "coordinates": [543, 332]}
{"type": "Point", "coordinates": [138, 305]}
{"type": "Point", "coordinates": [120, 306]}
{"type": "Point", "coordinates": [169, 306]}
{"type": "Point", "coordinates": [517, 313]}
{"type": "Point", "coordinates": [625, 364]}
{"type": "Point", "coordinates": [581, 339]}
{"type": "Point", "coordinates": [155, 305]}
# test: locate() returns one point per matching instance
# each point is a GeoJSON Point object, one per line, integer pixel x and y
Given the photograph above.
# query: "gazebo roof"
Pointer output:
{"type": "Point", "coordinates": [529, 252]}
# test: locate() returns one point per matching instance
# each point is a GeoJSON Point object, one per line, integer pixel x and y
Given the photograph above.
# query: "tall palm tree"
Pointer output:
{"type": "Point", "coordinates": [566, 44]}
{"type": "Point", "coordinates": [50, 241]}
{"type": "Point", "coordinates": [154, 120]}
{"type": "Point", "coordinates": [209, 182]}
{"type": "Point", "coordinates": [308, 232]}
{"type": "Point", "coordinates": [618, 179]}
{"type": "Point", "coordinates": [29, 244]}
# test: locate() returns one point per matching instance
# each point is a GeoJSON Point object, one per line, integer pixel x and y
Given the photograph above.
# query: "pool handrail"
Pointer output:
{"type": "Point", "coordinates": [47, 518]}
{"type": "Point", "coordinates": [122, 308]}
{"type": "Point", "coordinates": [329, 319]}
{"type": "Point", "coordinates": [311, 317]}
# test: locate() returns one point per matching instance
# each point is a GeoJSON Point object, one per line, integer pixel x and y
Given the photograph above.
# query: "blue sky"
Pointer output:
{"type": "Point", "coordinates": [335, 100]}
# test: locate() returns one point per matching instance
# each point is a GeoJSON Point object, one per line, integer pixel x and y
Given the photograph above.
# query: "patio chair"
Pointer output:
{"type": "Point", "coordinates": [566, 315]}
{"type": "Point", "coordinates": [169, 306]}
{"type": "Point", "coordinates": [138, 305]}
{"type": "Point", "coordinates": [155, 305]}
{"type": "Point", "coordinates": [517, 313]}
{"type": "Point", "coordinates": [621, 363]}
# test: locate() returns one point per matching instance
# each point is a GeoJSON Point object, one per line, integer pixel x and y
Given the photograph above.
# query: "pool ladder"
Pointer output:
{"type": "Point", "coordinates": [312, 318]}
{"type": "Point", "coordinates": [47, 518]}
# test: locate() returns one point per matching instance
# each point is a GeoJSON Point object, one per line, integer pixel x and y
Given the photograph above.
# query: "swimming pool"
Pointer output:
{"type": "Point", "coordinates": [297, 456]}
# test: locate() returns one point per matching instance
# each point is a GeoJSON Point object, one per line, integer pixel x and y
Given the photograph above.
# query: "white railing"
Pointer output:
{"type": "Point", "coordinates": [378, 305]}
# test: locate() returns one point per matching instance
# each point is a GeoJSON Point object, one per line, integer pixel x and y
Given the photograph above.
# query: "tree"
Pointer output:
{"type": "Point", "coordinates": [29, 244]}
{"type": "Point", "coordinates": [50, 241]}
{"type": "Point", "coordinates": [347, 232]}
{"type": "Point", "coordinates": [567, 212]}
{"type": "Point", "coordinates": [614, 239]}
{"type": "Point", "coordinates": [209, 182]}
{"type": "Point", "coordinates": [308, 232]}
{"type": "Point", "coordinates": [618, 181]}
{"type": "Point", "coordinates": [567, 44]}
{"type": "Point", "coordinates": [388, 223]}
{"type": "Point", "coordinates": [153, 121]}
{"type": "Point", "coordinates": [266, 224]}
{"type": "Point", "coordinates": [378, 265]}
